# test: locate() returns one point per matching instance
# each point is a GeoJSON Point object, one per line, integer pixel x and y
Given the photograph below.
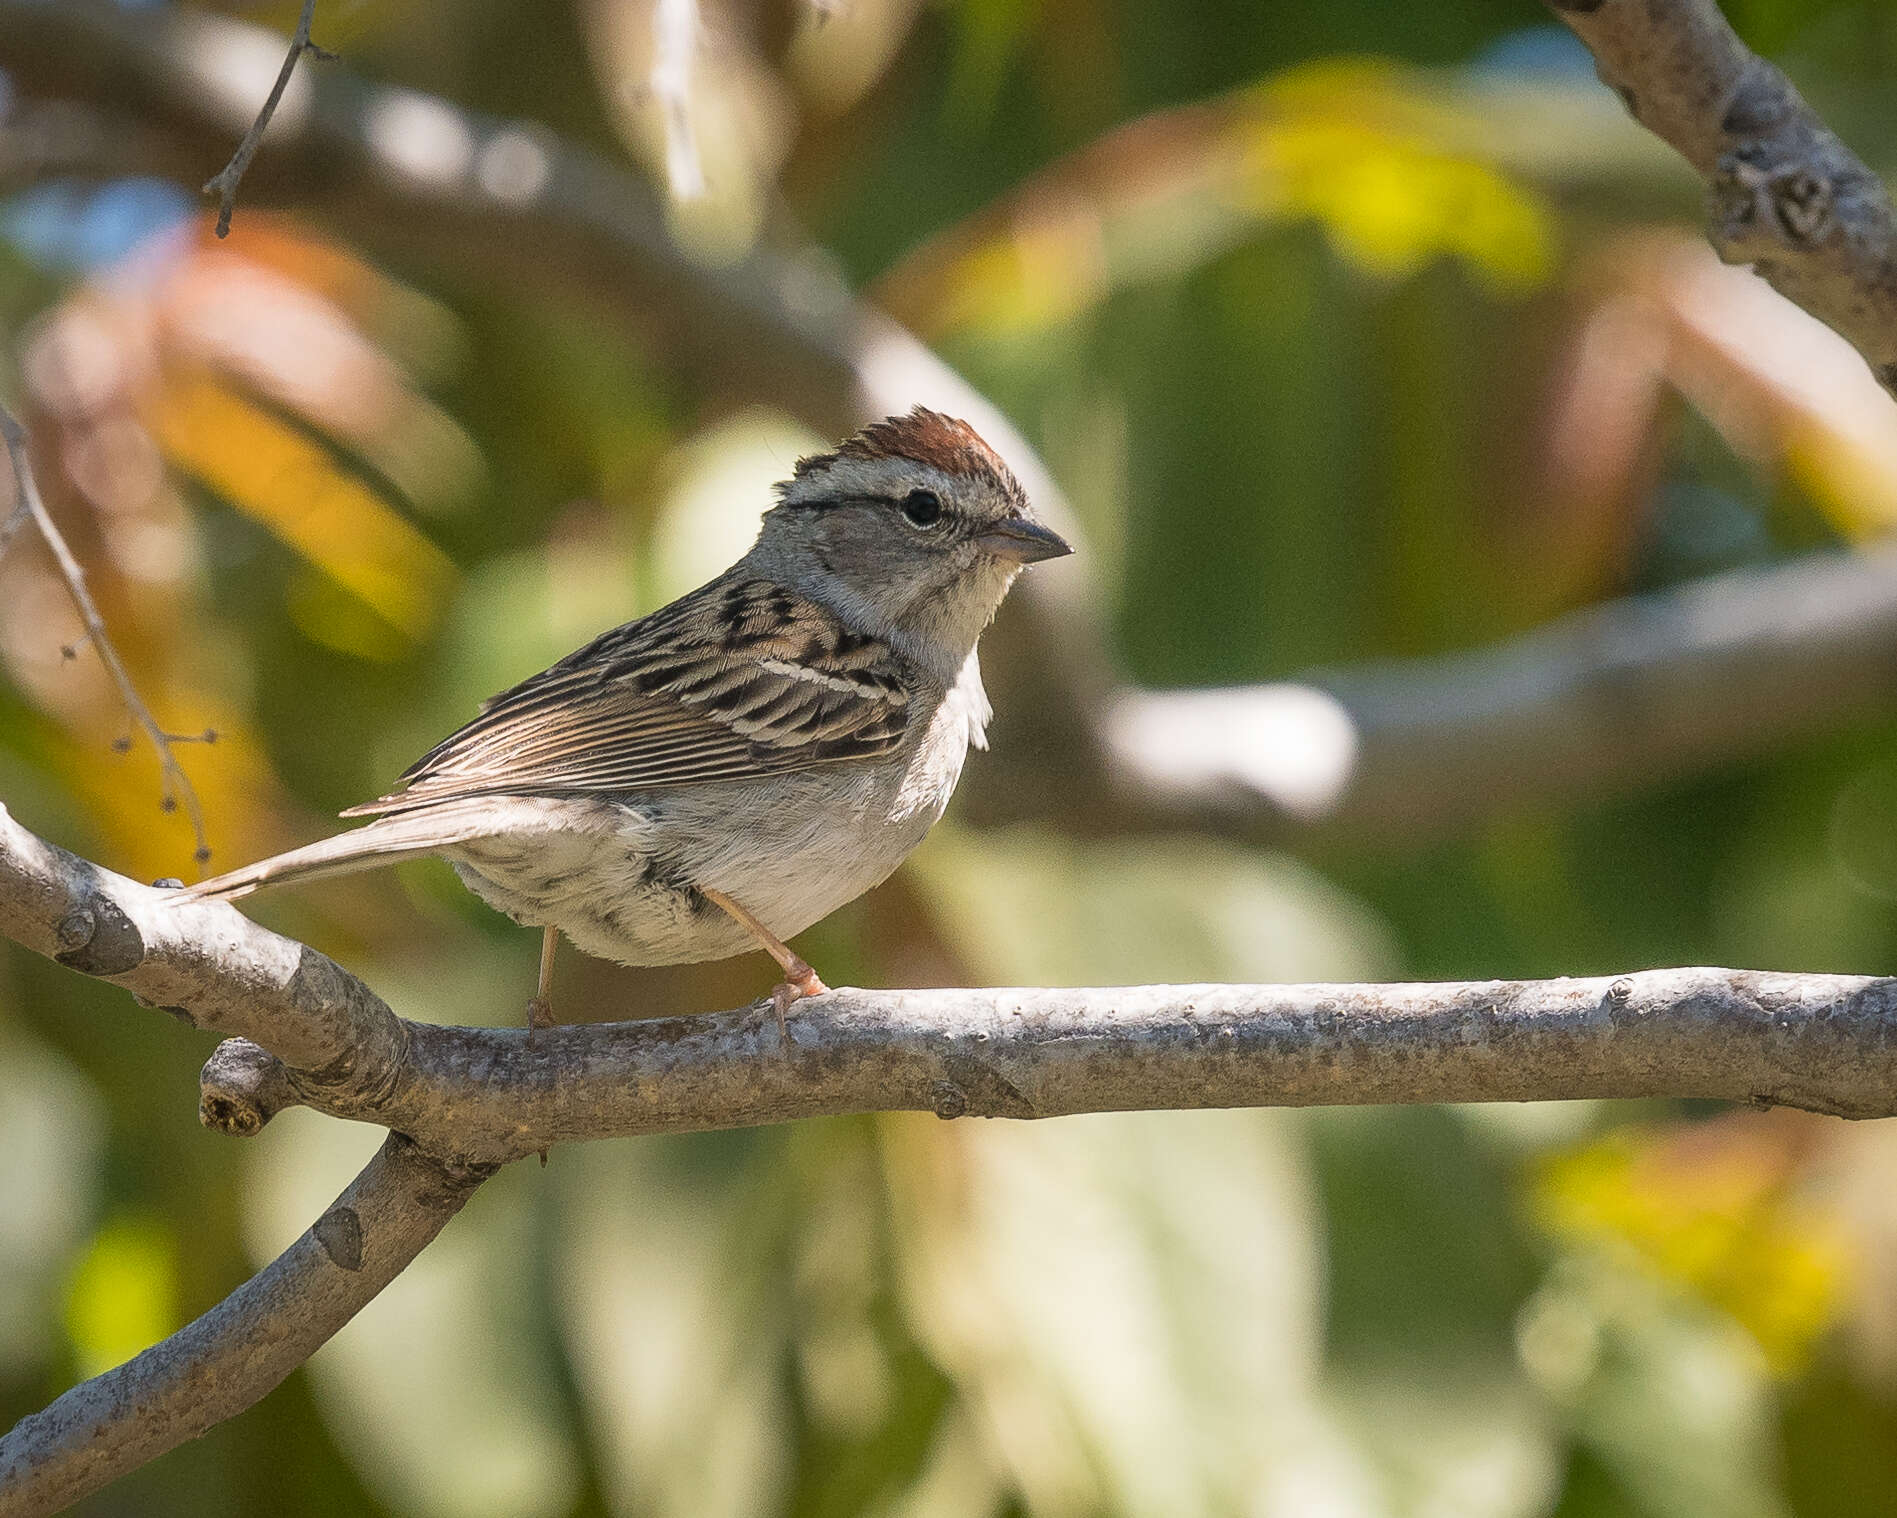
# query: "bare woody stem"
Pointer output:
{"type": "Point", "coordinates": [222, 1363]}
{"type": "Point", "coordinates": [224, 183]}
{"type": "Point", "coordinates": [178, 790]}
{"type": "Point", "coordinates": [1784, 194]}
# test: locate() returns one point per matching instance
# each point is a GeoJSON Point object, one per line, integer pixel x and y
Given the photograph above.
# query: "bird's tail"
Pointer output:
{"type": "Point", "coordinates": [366, 848]}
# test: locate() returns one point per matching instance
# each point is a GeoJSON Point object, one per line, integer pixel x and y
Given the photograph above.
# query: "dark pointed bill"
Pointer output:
{"type": "Point", "coordinates": [1022, 541]}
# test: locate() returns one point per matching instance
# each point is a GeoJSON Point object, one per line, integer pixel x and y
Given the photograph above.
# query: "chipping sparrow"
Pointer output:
{"type": "Point", "coordinates": [726, 771]}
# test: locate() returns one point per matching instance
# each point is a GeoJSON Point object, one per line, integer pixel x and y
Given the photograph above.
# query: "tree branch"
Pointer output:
{"type": "Point", "coordinates": [1820, 1042]}
{"type": "Point", "coordinates": [1785, 195]}
{"type": "Point", "coordinates": [207, 964]}
{"type": "Point", "coordinates": [224, 183]}
{"type": "Point", "coordinates": [462, 1101]}
{"type": "Point", "coordinates": [1628, 693]}
{"type": "Point", "coordinates": [217, 1366]}
{"type": "Point", "coordinates": [30, 507]}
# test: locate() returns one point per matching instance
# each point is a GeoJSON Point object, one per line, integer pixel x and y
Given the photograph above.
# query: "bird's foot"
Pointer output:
{"type": "Point", "coordinates": [799, 981]}
{"type": "Point", "coordinates": [539, 1015]}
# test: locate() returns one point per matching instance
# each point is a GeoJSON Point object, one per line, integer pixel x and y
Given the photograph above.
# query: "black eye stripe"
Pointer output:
{"type": "Point", "coordinates": [895, 503]}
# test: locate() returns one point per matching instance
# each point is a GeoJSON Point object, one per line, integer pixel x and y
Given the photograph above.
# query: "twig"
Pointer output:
{"type": "Point", "coordinates": [217, 1366]}
{"type": "Point", "coordinates": [178, 789]}
{"type": "Point", "coordinates": [1786, 196]}
{"type": "Point", "coordinates": [224, 183]}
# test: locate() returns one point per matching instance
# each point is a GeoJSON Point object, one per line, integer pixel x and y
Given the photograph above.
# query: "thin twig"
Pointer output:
{"type": "Point", "coordinates": [178, 790]}
{"type": "Point", "coordinates": [225, 182]}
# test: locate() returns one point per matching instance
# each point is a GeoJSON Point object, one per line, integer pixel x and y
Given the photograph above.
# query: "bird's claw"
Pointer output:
{"type": "Point", "coordinates": [799, 981]}
{"type": "Point", "coordinates": [539, 1014]}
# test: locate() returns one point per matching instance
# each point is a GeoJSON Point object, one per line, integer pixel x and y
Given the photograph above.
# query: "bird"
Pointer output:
{"type": "Point", "coordinates": [726, 771]}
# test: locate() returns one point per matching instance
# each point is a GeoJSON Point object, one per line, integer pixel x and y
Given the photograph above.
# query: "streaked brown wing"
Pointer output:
{"type": "Point", "coordinates": [739, 678]}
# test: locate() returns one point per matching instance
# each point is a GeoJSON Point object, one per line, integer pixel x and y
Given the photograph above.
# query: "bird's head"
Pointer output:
{"type": "Point", "coordinates": [913, 529]}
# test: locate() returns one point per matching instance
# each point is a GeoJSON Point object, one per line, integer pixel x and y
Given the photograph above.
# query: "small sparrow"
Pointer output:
{"type": "Point", "coordinates": [723, 773]}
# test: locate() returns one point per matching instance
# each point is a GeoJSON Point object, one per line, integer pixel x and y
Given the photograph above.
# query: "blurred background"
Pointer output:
{"type": "Point", "coordinates": [1360, 337]}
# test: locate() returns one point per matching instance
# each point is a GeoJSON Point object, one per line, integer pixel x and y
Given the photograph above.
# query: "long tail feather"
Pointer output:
{"type": "Point", "coordinates": [368, 848]}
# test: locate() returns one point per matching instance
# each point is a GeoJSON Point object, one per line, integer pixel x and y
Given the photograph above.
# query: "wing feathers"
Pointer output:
{"type": "Point", "coordinates": [739, 678]}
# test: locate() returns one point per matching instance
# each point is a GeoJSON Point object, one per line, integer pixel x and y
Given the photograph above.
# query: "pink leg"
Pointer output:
{"type": "Point", "coordinates": [799, 979]}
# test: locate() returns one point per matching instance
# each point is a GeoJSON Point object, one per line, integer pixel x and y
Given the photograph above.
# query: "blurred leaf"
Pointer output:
{"type": "Point", "coordinates": [278, 475]}
{"type": "Point", "coordinates": [51, 1130]}
{"type": "Point", "coordinates": [1128, 1305]}
{"type": "Point", "coordinates": [1384, 160]}
{"type": "Point", "coordinates": [1036, 909]}
{"type": "Point", "coordinates": [1710, 1208]}
{"type": "Point", "coordinates": [123, 1294]}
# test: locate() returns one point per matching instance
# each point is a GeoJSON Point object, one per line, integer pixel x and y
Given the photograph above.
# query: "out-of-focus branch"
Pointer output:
{"type": "Point", "coordinates": [177, 785]}
{"type": "Point", "coordinates": [1633, 691]}
{"type": "Point", "coordinates": [217, 1366]}
{"type": "Point", "coordinates": [1786, 196]}
{"type": "Point", "coordinates": [224, 183]}
{"type": "Point", "coordinates": [159, 91]}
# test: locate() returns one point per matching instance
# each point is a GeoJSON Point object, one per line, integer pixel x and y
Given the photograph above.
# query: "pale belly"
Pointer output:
{"type": "Point", "coordinates": [620, 879]}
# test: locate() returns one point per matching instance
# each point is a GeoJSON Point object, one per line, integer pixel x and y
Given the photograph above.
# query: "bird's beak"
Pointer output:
{"type": "Point", "coordinates": [1022, 542]}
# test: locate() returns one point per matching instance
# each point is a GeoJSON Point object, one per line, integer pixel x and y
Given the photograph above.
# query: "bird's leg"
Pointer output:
{"type": "Point", "coordinates": [540, 1009]}
{"type": "Point", "coordinates": [799, 979]}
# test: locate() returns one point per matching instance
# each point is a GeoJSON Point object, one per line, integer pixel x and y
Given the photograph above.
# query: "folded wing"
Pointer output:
{"type": "Point", "coordinates": [738, 679]}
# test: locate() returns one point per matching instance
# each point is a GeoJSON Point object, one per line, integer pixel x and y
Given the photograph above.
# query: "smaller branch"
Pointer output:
{"type": "Point", "coordinates": [225, 182]}
{"type": "Point", "coordinates": [1631, 692]}
{"type": "Point", "coordinates": [177, 785]}
{"type": "Point", "coordinates": [1786, 195]}
{"type": "Point", "coordinates": [225, 1361]}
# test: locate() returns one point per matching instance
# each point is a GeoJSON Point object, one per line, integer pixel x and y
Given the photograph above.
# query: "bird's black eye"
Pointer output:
{"type": "Point", "coordinates": [922, 507]}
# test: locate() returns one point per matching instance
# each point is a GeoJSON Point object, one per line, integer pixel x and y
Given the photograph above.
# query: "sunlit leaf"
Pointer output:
{"type": "Point", "coordinates": [123, 1294]}
{"type": "Point", "coordinates": [295, 487]}
{"type": "Point", "coordinates": [1713, 1211]}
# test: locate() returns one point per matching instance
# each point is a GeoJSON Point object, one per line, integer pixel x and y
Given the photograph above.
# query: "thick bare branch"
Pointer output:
{"type": "Point", "coordinates": [486, 1096]}
{"type": "Point", "coordinates": [1786, 196]}
{"type": "Point", "coordinates": [178, 789]}
{"type": "Point", "coordinates": [208, 965]}
{"type": "Point", "coordinates": [217, 1366]}
{"type": "Point", "coordinates": [1821, 1042]}
{"type": "Point", "coordinates": [465, 1100]}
